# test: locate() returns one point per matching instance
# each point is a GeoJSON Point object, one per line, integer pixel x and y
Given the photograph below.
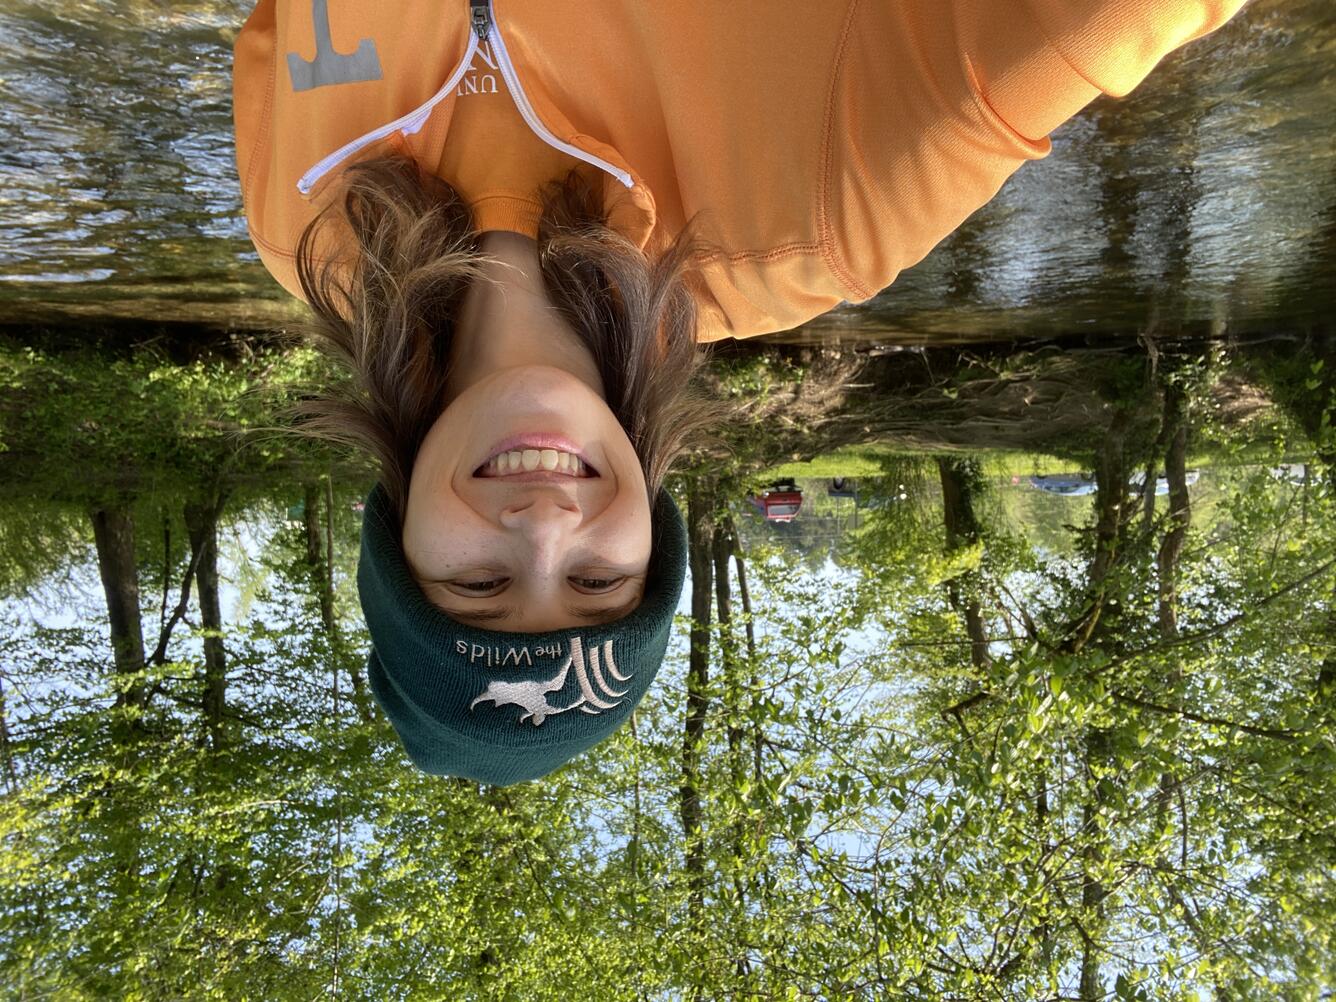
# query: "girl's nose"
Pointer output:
{"type": "Point", "coordinates": [546, 523]}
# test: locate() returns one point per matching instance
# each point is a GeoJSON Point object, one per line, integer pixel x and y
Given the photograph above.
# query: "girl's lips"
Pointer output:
{"type": "Point", "coordinates": [538, 440]}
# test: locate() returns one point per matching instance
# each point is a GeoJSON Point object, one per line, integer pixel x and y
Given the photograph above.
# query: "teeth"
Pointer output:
{"type": "Point", "coordinates": [528, 460]}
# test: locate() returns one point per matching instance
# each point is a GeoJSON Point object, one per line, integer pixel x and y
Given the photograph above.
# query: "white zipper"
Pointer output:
{"type": "Point", "coordinates": [526, 109]}
{"type": "Point", "coordinates": [408, 124]}
{"type": "Point", "coordinates": [415, 119]}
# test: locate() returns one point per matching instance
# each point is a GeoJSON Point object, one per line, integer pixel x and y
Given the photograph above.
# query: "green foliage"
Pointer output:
{"type": "Point", "coordinates": [81, 425]}
{"type": "Point", "coordinates": [884, 813]}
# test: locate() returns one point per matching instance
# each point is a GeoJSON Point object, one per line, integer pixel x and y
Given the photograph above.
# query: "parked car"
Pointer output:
{"type": "Point", "coordinates": [1079, 484]}
{"type": "Point", "coordinates": [1161, 483]}
{"type": "Point", "coordinates": [842, 487]}
{"type": "Point", "coordinates": [1067, 484]}
{"type": "Point", "coordinates": [778, 502]}
{"type": "Point", "coordinates": [1294, 473]}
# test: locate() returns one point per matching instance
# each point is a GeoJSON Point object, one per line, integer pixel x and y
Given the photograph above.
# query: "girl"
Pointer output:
{"type": "Point", "coordinates": [515, 221]}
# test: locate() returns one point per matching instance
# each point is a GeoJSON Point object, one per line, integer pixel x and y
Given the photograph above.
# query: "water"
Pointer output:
{"type": "Point", "coordinates": [1204, 201]}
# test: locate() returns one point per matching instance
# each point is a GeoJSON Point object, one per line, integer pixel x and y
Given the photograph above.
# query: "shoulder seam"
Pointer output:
{"type": "Point", "coordinates": [263, 136]}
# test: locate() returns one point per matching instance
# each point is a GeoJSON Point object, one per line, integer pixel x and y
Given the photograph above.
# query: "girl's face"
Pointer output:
{"type": "Point", "coordinates": [528, 551]}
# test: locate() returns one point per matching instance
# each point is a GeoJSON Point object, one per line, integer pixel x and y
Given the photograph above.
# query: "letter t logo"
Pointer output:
{"type": "Point", "coordinates": [330, 67]}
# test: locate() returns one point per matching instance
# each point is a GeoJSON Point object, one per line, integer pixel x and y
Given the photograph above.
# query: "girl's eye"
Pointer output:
{"type": "Point", "coordinates": [480, 586]}
{"type": "Point", "coordinates": [596, 584]}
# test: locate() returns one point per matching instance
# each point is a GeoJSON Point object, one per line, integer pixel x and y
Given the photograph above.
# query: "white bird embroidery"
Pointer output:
{"type": "Point", "coordinates": [531, 695]}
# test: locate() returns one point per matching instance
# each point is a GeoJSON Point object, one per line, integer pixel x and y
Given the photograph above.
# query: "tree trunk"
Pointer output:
{"type": "Point", "coordinates": [361, 699]}
{"type": "Point", "coordinates": [1180, 509]}
{"type": "Point", "coordinates": [960, 481]}
{"type": "Point", "coordinates": [114, 535]}
{"type": "Point", "coordinates": [1091, 896]}
{"type": "Point", "coordinates": [1044, 931]}
{"type": "Point", "coordinates": [11, 775]}
{"type": "Point", "coordinates": [1111, 521]}
{"type": "Point", "coordinates": [732, 695]}
{"type": "Point", "coordinates": [700, 534]}
{"type": "Point", "coordinates": [316, 561]}
{"type": "Point", "coordinates": [202, 526]}
{"type": "Point", "coordinates": [740, 565]}
{"type": "Point", "coordinates": [1092, 856]}
{"type": "Point", "coordinates": [1175, 435]}
{"type": "Point", "coordinates": [1108, 591]}
{"type": "Point", "coordinates": [728, 652]}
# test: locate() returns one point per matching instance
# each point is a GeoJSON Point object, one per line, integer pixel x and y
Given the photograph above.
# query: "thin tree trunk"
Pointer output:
{"type": "Point", "coordinates": [1175, 436]}
{"type": "Point", "coordinates": [114, 535]}
{"type": "Point", "coordinates": [10, 774]}
{"type": "Point", "coordinates": [1180, 508]}
{"type": "Point", "coordinates": [732, 694]}
{"type": "Point", "coordinates": [1091, 896]}
{"type": "Point", "coordinates": [315, 554]}
{"type": "Point", "coordinates": [1044, 932]}
{"type": "Point", "coordinates": [327, 606]}
{"type": "Point", "coordinates": [753, 686]}
{"type": "Point", "coordinates": [202, 526]}
{"type": "Point", "coordinates": [1092, 856]}
{"type": "Point", "coordinates": [959, 478]}
{"type": "Point", "coordinates": [728, 653]}
{"type": "Point", "coordinates": [1178, 519]}
{"type": "Point", "coordinates": [1326, 674]}
{"type": "Point", "coordinates": [360, 698]}
{"type": "Point", "coordinates": [700, 534]}
{"type": "Point", "coordinates": [633, 850]}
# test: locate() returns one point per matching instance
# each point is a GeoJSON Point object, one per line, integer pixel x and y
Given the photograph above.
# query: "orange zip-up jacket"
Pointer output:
{"type": "Point", "coordinates": [826, 144]}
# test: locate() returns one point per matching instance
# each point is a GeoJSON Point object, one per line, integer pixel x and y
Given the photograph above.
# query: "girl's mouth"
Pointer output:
{"type": "Point", "coordinates": [519, 461]}
{"type": "Point", "coordinates": [535, 452]}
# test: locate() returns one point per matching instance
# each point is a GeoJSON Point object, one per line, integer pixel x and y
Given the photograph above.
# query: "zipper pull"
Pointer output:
{"type": "Point", "coordinates": [482, 21]}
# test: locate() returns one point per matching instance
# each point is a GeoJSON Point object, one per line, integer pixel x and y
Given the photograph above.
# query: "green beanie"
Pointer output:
{"type": "Point", "coordinates": [501, 708]}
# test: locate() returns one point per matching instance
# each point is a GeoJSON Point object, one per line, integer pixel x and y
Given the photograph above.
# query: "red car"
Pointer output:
{"type": "Point", "coordinates": [779, 502]}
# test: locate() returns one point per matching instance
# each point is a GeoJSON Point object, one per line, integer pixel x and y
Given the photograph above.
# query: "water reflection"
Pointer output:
{"type": "Point", "coordinates": [1177, 190]}
{"type": "Point", "coordinates": [122, 186]}
{"type": "Point", "coordinates": [961, 737]}
{"type": "Point", "coordinates": [1192, 204]}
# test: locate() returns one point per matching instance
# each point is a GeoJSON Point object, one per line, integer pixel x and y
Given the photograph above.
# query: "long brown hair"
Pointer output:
{"type": "Point", "coordinates": [385, 305]}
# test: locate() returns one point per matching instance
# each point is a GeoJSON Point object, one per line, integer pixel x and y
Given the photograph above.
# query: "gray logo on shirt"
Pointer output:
{"type": "Point", "coordinates": [330, 67]}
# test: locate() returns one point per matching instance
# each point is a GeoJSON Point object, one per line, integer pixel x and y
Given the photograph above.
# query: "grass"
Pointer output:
{"type": "Point", "coordinates": [870, 461]}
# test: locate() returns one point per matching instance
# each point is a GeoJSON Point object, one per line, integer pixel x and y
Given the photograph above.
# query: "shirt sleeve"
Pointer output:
{"type": "Point", "coordinates": [937, 104]}
{"type": "Point", "coordinates": [1038, 62]}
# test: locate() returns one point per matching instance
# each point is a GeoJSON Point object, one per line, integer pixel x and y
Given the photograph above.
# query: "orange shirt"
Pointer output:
{"type": "Point", "coordinates": [826, 144]}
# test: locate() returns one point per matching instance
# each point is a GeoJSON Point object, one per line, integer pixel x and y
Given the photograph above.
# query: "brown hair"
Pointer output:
{"type": "Point", "coordinates": [385, 308]}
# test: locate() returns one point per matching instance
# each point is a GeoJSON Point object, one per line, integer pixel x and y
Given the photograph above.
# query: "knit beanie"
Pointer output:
{"type": "Point", "coordinates": [502, 708]}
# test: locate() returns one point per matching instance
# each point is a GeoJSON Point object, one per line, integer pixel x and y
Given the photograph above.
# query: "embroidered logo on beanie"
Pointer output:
{"type": "Point", "coordinates": [531, 695]}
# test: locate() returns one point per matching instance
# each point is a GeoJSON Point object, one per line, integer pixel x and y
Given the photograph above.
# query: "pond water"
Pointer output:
{"type": "Point", "coordinates": [1008, 670]}
{"type": "Point", "coordinates": [1204, 201]}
